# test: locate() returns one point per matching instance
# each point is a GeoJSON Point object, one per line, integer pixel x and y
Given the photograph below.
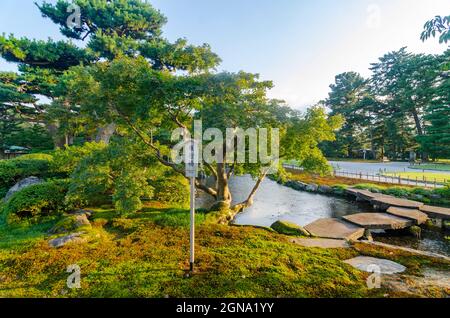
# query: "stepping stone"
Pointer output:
{"type": "Point", "coordinates": [335, 229]}
{"type": "Point", "coordinates": [384, 202]}
{"type": "Point", "coordinates": [321, 243]}
{"type": "Point", "coordinates": [436, 212]}
{"type": "Point", "coordinates": [363, 194]}
{"type": "Point", "coordinates": [378, 265]}
{"type": "Point", "coordinates": [415, 215]}
{"type": "Point", "coordinates": [378, 221]}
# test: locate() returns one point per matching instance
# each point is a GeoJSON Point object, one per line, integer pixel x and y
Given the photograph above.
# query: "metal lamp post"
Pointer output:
{"type": "Point", "coordinates": [191, 164]}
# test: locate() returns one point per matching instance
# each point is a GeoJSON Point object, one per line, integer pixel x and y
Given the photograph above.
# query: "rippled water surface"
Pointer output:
{"type": "Point", "coordinates": [276, 202]}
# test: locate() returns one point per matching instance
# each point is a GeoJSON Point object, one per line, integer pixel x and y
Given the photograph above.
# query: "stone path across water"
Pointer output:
{"type": "Point", "coordinates": [335, 229]}
{"type": "Point", "coordinates": [436, 212]}
{"type": "Point", "coordinates": [415, 215]}
{"type": "Point", "coordinates": [379, 221]}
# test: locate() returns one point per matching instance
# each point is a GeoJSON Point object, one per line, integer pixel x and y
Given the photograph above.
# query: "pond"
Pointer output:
{"type": "Point", "coordinates": [276, 202]}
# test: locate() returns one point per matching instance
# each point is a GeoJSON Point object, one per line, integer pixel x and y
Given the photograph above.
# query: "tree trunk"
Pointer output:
{"type": "Point", "coordinates": [105, 133]}
{"type": "Point", "coordinates": [58, 141]}
{"type": "Point", "coordinates": [423, 155]}
{"type": "Point", "coordinates": [223, 190]}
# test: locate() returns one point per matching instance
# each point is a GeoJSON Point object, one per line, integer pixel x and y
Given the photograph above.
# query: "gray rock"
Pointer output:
{"type": "Point", "coordinates": [435, 196]}
{"type": "Point", "coordinates": [296, 185]}
{"type": "Point", "coordinates": [24, 183]}
{"type": "Point", "coordinates": [325, 189]}
{"type": "Point", "coordinates": [312, 187]}
{"type": "Point", "coordinates": [87, 213]}
{"type": "Point", "coordinates": [71, 238]}
{"type": "Point", "coordinates": [371, 264]}
{"type": "Point", "coordinates": [418, 197]}
{"type": "Point", "coordinates": [338, 191]}
{"type": "Point", "coordinates": [70, 223]}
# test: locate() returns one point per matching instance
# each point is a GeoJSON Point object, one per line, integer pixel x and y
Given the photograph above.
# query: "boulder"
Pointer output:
{"type": "Point", "coordinates": [288, 228]}
{"type": "Point", "coordinates": [371, 264]}
{"type": "Point", "coordinates": [296, 185]}
{"type": "Point", "coordinates": [338, 190]}
{"type": "Point", "coordinates": [24, 183]}
{"type": "Point", "coordinates": [416, 231]}
{"type": "Point", "coordinates": [71, 238]}
{"type": "Point", "coordinates": [435, 196]}
{"type": "Point", "coordinates": [87, 213]}
{"type": "Point", "coordinates": [71, 223]}
{"type": "Point", "coordinates": [325, 189]}
{"type": "Point", "coordinates": [312, 187]}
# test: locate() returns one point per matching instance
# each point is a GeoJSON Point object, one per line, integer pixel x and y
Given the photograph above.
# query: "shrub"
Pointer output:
{"type": "Point", "coordinates": [66, 160]}
{"type": "Point", "coordinates": [444, 192]}
{"type": "Point", "coordinates": [13, 170]}
{"type": "Point", "coordinates": [171, 189]}
{"type": "Point", "coordinates": [37, 200]}
{"type": "Point", "coordinates": [118, 172]}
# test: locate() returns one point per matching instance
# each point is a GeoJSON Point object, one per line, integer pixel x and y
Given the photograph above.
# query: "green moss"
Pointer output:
{"type": "Point", "coordinates": [288, 228]}
{"type": "Point", "coordinates": [68, 224]}
{"type": "Point", "coordinates": [139, 257]}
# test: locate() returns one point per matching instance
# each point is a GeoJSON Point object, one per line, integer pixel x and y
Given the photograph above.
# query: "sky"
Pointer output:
{"type": "Point", "coordinates": [301, 45]}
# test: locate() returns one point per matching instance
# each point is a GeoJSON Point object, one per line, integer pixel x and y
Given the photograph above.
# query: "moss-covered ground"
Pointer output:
{"type": "Point", "coordinates": [146, 255]}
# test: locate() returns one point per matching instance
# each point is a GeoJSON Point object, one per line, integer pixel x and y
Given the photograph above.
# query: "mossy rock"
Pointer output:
{"type": "Point", "coordinates": [288, 228]}
{"type": "Point", "coordinates": [446, 225]}
{"type": "Point", "coordinates": [416, 231]}
{"type": "Point", "coordinates": [71, 223]}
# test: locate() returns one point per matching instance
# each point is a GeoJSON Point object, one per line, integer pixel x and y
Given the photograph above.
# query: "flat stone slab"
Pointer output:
{"type": "Point", "coordinates": [378, 221]}
{"type": "Point", "coordinates": [378, 265]}
{"type": "Point", "coordinates": [436, 212]}
{"type": "Point", "coordinates": [412, 214]}
{"type": "Point", "coordinates": [321, 243]}
{"type": "Point", "coordinates": [335, 229]}
{"type": "Point", "coordinates": [363, 194]}
{"type": "Point", "coordinates": [386, 201]}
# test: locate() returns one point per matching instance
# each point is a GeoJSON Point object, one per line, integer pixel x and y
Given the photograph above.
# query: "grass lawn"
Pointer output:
{"type": "Point", "coordinates": [146, 255]}
{"type": "Point", "coordinates": [429, 176]}
{"type": "Point", "coordinates": [332, 180]}
{"type": "Point", "coordinates": [431, 166]}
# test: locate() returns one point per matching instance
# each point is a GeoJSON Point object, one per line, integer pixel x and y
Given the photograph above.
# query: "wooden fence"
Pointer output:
{"type": "Point", "coordinates": [420, 182]}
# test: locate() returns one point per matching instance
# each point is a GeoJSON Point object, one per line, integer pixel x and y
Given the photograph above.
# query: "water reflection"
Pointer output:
{"type": "Point", "coordinates": [276, 202]}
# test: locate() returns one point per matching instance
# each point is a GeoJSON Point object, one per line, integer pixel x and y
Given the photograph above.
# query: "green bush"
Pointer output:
{"type": "Point", "coordinates": [444, 192]}
{"type": "Point", "coordinates": [37, 200]}
{"type": "Point", "coordinates": [66, 160]}
{"type": "Point", "coordinates": [173, 189]}
{"type": "Point", "coordinates": [117, 173]}
{"type": "Point", "coordinates": [13, 170]}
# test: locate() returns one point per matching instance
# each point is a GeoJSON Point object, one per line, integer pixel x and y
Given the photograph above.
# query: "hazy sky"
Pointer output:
{"type": "Point", "coordinates": [299, 44]}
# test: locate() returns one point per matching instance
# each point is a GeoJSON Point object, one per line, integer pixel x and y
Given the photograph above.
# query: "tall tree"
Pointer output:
{"type": "Point", "coordinates": [345, 98]}
{"type": "Point", "coordinates": [140, 99]}
{"type": "Point", "coordinates": [436, 141]}
{"type": "Point", "coordinates": [403, 81]}
{"type": "Point", "coordinates": [110, 29]}
{"type": "Point", "coordinates": [438, 25]}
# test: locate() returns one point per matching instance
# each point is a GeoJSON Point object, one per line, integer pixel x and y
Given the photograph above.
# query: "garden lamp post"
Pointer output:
{"type": "Point", "coordinates": [191, 164]}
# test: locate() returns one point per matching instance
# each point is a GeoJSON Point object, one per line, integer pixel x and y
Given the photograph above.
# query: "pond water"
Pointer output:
{"type": "Point", "coordinates": [276, 202]}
